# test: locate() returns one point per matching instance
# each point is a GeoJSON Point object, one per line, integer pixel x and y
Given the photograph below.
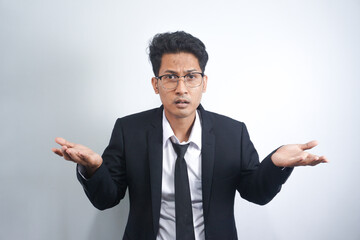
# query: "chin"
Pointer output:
{"type": "Point", "coordinates": [181, 113]}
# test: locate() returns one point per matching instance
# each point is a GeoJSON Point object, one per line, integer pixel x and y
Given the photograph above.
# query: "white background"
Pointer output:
{"type": "Point", "coordinates": [288, 69]}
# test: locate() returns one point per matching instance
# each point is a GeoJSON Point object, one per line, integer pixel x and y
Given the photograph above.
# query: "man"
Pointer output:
{"type": "Point", "coordinates": [181, 164]}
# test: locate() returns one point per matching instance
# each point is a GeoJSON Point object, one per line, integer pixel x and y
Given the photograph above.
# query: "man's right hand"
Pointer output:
{"type": "Point", "coordinates": [78, 154]}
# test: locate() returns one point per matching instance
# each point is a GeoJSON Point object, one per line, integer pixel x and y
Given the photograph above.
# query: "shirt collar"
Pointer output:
{"type": "Point", "coordinates": [195, 135]}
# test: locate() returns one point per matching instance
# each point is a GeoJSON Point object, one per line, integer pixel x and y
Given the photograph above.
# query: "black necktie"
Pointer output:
{"type": "Point", "coordinates": [183, 208]}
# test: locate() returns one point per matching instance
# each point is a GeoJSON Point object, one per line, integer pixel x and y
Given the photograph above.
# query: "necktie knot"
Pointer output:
{"type": "Point", "coordinates": [180, 149]}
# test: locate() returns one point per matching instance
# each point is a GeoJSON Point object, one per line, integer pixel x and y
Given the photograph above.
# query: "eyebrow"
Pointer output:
{"type": "Point", "coordinates": [174, 72]}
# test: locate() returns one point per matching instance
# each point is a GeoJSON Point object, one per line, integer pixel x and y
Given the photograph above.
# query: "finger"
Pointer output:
{"type": "Point", "coordinates": [310, 159]}
{"type": "Point", "coordinates": [308, 145]}
{"type": "Point", "coordinates": [75, 156]}
{"type": "Point", "coordinates": [324, 159]}
{"type": "Point", "coordinates": [57, 151]}
{"type": "Point", "coordinates": [63, 142]}
{"type": "Point", "coordinates": [299, 160]}
{"type": "Point", "coordinates": [305, 158]}
{"type": "Point", "coordinates": [84, 156]}
{"type": "Point", "coordinates": [64, 153]}
{"type": "Point", "coordinates": [315, 162]}
{"type": "Point", "coordinates": [72, 154]}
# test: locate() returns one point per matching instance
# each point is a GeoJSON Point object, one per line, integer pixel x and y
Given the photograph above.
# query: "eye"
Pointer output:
{"type": "Point", "coordinates": [191, 76]}
{"type": "Point", "coordinates": [170, 77]}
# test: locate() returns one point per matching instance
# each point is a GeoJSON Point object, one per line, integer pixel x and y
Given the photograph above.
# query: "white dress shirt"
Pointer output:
{"type": "Point", "coordinates": [167, 226]}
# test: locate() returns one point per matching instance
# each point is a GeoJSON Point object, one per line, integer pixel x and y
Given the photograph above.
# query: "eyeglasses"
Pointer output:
{"type": "Point", "coordinates": [171, 81]}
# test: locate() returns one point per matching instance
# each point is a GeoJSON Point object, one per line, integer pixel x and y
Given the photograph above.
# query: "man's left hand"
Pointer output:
{"type": "Point", "coordinates": [293, 155]}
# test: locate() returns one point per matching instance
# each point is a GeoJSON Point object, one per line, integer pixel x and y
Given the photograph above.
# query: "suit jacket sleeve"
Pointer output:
{"type": "Point", "coordinates": [259, 182]}
{"type": "Point", "coordinates": [108, 185]}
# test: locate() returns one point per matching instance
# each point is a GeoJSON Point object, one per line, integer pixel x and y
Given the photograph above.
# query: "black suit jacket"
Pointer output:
{"type": "Point", "coordinates": [230, 162]}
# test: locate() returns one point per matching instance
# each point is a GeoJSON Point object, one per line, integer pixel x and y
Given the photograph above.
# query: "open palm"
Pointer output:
{"type": "Point", "coordinates": [292, 155]}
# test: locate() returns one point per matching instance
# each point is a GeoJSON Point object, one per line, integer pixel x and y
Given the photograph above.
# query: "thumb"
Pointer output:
{"type": "Point", "coordinates": [308, 145]}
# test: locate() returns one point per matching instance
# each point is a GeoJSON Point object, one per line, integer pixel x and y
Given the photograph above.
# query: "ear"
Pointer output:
{"type": "Point", "coordinates": [205, 79]}
{"type": "Point", "coordinates": [155, 85]}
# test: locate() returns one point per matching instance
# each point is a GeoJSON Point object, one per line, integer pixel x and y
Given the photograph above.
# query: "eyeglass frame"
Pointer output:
{"type": "Point", "coordinates": [178, 79]}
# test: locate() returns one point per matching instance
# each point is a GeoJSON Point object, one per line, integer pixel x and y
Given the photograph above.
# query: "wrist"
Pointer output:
{"type": "Point", "coordinates": [91, 169]}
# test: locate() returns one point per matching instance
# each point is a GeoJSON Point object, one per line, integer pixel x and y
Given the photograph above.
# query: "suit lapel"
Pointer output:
{"type": "Point", "coordinates": [155, 139]}
{"type": "Point", "coordinates": [207, 156]}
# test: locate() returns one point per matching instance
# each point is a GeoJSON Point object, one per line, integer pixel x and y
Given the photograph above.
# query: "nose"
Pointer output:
{"type": "Point", "coordinates": [181, 87]}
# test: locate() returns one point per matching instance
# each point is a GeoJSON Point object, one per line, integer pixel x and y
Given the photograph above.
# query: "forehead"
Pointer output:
{"type": "Point", "coordinates": [179, 62]}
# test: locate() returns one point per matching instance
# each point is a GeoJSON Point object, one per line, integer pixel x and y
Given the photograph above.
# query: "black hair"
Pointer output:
{"type": "Point", "coordinates": [175, 42]}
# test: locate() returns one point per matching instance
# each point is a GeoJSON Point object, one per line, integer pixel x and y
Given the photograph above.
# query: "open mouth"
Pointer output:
{"type": "Point", "coordinates": [182, 101]}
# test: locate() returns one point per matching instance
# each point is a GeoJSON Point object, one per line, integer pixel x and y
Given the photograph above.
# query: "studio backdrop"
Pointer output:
{"type": "Point", "coordinates": [288, 69]}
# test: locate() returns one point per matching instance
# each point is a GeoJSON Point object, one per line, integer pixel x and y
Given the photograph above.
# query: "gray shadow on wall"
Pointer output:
{"type": "Point", "coordinates": [110, 224]}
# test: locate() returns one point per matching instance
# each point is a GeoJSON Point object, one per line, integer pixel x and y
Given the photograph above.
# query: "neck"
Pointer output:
{"type": "Point", "coordinates": [182, 126]}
